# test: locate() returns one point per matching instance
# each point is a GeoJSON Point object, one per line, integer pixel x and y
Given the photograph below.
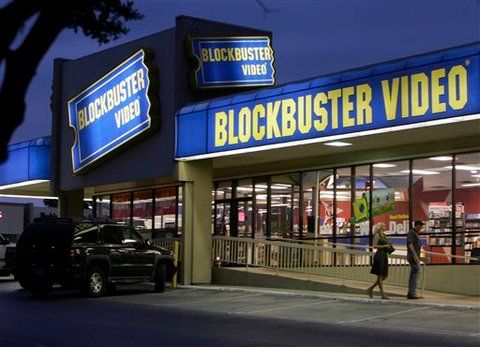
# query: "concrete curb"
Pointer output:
{"type": "Point", "coordinates": [416, 303]}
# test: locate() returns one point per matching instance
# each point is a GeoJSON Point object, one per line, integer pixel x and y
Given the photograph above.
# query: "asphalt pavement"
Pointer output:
{"type": "Point", "coordinates": [209, 316]}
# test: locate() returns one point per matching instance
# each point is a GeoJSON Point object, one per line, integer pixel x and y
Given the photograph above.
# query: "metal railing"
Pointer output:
{"type": "Point", "coordinates": [339, 261]}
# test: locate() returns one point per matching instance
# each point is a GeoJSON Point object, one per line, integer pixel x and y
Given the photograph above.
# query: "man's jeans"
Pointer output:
{"type": "Point", "coordinates": [413, 280]}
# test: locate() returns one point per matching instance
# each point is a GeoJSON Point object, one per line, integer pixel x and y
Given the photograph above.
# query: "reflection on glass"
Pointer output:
{"type": "Point", "coordinates": [165, 213]}
{"type": "Point", "coordinates": [103, 206]}
{"type": "Point", "coordinates": [142, 213]}
{"type": "Point", "coordinates": [121, 208]}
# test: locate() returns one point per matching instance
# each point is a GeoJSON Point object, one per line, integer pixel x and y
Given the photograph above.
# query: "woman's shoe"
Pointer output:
{"type": "Point", "coordinates": [370, 293]}
{"type": "Point", "coordinates": [384, 297]}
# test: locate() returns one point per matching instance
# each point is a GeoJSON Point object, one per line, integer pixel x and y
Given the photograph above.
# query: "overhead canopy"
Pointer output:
{"type": "Point", "coordinates": [27, 169]}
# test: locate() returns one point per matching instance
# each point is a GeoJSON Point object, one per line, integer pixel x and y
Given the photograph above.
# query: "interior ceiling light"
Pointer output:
{"type": "Point", "coordinates": [441, 158]}
{"type": "Point", "coordinates": [382, 165]}
{"type": "Point", "coordinates": [422, 172]}
{"type": "Point", "coordinates": [471, 185]}
{"type": "Point", "coordinates": [337, 144]}
{"type": "Point", "coordinates": [464, 167]}
{"type": "Point", "coordinates": [476, 176]}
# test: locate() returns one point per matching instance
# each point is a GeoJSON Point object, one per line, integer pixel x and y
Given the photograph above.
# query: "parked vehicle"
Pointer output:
{"type": "Point", "coordinates": [7, 251]}
{"type": "Point", "coordinates": [88, 255]}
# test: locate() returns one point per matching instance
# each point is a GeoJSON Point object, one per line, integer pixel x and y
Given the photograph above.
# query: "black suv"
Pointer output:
{"type": "Point", "coordinates": [88, 255]}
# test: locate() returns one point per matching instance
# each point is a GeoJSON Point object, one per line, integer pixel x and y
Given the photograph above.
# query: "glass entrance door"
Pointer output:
{"type": "Point", "coordinates": [243, 217]}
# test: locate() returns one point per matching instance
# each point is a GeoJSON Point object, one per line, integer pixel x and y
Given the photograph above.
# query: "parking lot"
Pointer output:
{"type": "Point", "coordinates": [192, 316]}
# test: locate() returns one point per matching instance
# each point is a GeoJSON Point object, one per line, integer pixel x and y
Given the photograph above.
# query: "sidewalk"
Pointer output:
{"type": "Point", "coordinates": [334, 288]}
{"type": "Point", "coordinates": [431, 299]}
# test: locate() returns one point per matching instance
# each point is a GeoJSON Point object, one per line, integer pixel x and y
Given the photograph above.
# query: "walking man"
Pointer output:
{"type": "Point", "coordinates": [413, 256]}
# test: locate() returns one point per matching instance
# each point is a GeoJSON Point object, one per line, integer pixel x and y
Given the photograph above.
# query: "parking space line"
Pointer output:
{"type": "Point", "coordinates": [286, 307]}
{"type": "Point", "coordinates": [384, 315]}
{"type": "Point", "coordinates": [211, 300]}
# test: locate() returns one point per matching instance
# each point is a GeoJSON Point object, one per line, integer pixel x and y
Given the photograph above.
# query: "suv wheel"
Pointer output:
{"type": "Point", "coordinates": [95, 283]}
{"type": "Point", "coordinates": [160, 278]}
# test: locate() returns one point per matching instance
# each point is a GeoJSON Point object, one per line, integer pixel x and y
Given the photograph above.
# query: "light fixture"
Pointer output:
{"type": "Point", "coordinates": [464, 167]}
{"type": "Point", "coordinates": [383, 165]}
{"type": "Point", "coordinates": [471, 185]}
{"type": "Point", "coordinates": [476, 176]}
{"type": "Point", "coordinates": [441, 158]}
{"type": "Point", "coordinates": [337, 144]}
{"type": "Point", "coordinates": [421, 172]}
{"type": "Point", "coordinates": [22, 184]}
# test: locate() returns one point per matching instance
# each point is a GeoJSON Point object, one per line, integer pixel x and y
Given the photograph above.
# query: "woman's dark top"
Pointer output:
{"type": "Point", "coordinates": [380, 260]}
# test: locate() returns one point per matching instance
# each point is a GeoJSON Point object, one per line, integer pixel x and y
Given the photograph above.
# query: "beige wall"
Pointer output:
{"type": "Point", "coordinates": [458, 279]}
{"type": "Point", "coordinates": [197, 200]}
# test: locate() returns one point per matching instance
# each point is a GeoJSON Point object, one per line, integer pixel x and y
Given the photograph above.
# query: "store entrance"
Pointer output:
{"type": "Point", "coordinates": [233, 217]}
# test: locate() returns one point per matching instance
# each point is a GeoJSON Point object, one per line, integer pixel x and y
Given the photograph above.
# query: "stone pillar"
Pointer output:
{"type": "Point", "coordinates": [70, 204]}
{"type": "Point", "coordinates": [197, 228]}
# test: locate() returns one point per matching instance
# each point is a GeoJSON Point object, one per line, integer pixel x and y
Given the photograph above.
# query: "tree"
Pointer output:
{"type": "Point", "coordinates": [101, 20]}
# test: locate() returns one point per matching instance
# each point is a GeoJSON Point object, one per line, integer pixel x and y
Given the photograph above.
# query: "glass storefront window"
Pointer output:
{"type": "Point", "coordinates": [432, 203]}
{"type": "Point", "coordinates": [467, 196]}
{"type": "Point", "coordinates": [344, 202]}
{"type": "Point", "coordinates": [362, 186]}
{"type": "Point", "coordinates": [180, 211]}
{"type": "Point", "coordinates": [261, 187]}
{"type": "Point", "coordinates": [390, 196]}
{"type": "Point", "coordinates": [165, 213]}
{"type": "Point", "coordinates": [282, 204]}
{"type": "Point", "coordinates": [121, 211]}
{"type": "Point", "coordinates": [102, 204]}
{"type": "Point", "coordinates": [244, 188]}
{"type": "Point", "coordinates": [142, 213]}
{"type": "Point", "coordinates": [224, 190]}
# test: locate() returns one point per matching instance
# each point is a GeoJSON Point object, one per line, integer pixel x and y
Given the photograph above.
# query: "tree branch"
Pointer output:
{"type": "Point", "coordinates": [20, 68]}
{"type": "Point", "coordinates": [12, 18]}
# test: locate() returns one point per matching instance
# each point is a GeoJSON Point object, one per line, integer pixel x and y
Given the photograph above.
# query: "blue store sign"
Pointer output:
{"type": "Point", "coordinates": [421, 89]}
{"type": "Point", "coordinates": [227, 62]}
{"type": "Point", "coordinates": [112, 111]}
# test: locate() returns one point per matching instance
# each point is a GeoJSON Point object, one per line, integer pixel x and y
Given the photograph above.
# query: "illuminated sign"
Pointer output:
{"type": "Point", "coordinates": [330, 106]}
{"type": "Point", "coordinates": [225, 62]}
{"type": "Point", "coordinates": [112, 111]}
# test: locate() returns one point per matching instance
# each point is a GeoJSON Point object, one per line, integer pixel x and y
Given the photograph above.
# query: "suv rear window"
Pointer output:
{"type": "Point", "coordinates": [46, 235]}
{"type": "Point", "coordinates": [89, 235]}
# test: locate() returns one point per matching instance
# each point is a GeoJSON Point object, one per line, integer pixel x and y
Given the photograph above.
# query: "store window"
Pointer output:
{"type": "Point", "coordinates": [179, 211]}
{"type": "Point", "coordinates": [142, 212]}
{"type": "Point", "coordinates": [432, 203]}
{"type": "Point", "coordinates": [102, 206]}
{"type": "Point", "coordinates": [165, 217]}
{"type": "Point", "coordinates": [358, 231]}
{"type": "Point", "coordinates": [390, 196]}
{"type": "Point", "coordinates": [223, 194]}
{"type": "Point", "coordinates": [121, 211]}
{"type": "Point", "coordinates": [282, 205]}
{"type": "Point", "coordinates": [344, 202]}
{"type": "Point", "coordinates": [467, 196]}
{"type": "Point", "coordinates": [261, 208]}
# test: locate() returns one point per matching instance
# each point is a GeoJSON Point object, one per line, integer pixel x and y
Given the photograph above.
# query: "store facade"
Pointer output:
{"type": "Point", "coordinates": [160, 140]}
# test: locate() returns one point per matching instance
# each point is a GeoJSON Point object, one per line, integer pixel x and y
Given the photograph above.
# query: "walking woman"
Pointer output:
{"type": "Point", "coordinates": [380, 260]}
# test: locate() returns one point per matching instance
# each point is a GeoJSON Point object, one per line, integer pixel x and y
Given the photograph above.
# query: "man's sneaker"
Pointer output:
{"type": "Point", "coordinates": [413, 297]}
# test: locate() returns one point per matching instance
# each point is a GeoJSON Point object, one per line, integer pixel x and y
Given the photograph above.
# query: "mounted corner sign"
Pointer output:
{"type": "Point", "coordinates": [112, 111]}
{"type": "Point", "coordinates": [229, 62]}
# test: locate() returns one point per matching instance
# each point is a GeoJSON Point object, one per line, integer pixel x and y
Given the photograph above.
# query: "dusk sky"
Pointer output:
{"type": "Point", "coordinates": [310, 38]}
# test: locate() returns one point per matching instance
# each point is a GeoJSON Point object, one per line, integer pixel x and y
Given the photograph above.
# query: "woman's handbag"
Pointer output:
{"type": "Point", "coordinates": [390, 249]}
